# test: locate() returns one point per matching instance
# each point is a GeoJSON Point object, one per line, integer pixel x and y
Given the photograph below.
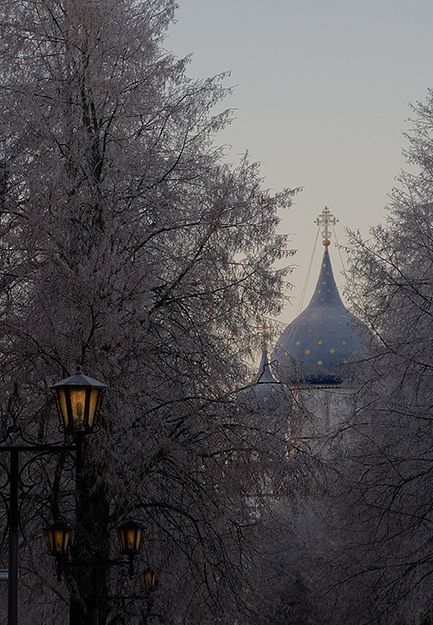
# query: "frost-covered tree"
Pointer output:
{"type": "Point", "coordinates": [129, 247]}
{"type": "Point", "coordinates": [389, 528]}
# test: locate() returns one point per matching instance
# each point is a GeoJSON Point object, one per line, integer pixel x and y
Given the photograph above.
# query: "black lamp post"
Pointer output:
{"type": "Point", "coordinates": [131, 542]}
{"type": "Point", "coordinates": [78, 399]}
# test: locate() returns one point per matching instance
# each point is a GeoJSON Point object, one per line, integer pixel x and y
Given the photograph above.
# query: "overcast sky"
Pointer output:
{"type": "Point", "coordinates": [323, 93]}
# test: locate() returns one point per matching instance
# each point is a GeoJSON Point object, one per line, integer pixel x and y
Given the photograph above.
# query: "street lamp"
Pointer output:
{"type": "Point", "coordinates": [130, 538]}
{"type": "Point", "coordinates": [131, 542]}
{"type": "Point", "coordinates": [149, 580]}
{"type": "Point", "coordinates": [78, 401]}
{"type": "Point", "coordinates": [58, 537]}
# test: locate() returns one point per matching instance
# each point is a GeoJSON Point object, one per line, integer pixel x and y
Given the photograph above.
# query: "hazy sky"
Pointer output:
{"type": "Point", "coordinates": [322, 97]}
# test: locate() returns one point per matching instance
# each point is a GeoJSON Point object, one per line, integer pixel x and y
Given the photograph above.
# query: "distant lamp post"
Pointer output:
{"type": "Point", "coordinates": [130, 538]}
{"type": "Point", "coordinates": [149, 583]}
{"type": "Point", "coordinates": [149, 580]}
{"type": "Point", "coordinates": [58, 537]}
{"type": "Point", "coordinates": [78, 400]}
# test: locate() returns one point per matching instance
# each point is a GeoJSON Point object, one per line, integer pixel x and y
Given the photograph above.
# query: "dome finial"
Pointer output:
{"type": "Point", "coordinates": [326, 219]}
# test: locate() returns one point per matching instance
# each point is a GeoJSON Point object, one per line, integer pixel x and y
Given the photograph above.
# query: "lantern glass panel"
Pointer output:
{"type": "Point", "coordinates": [95, 394]}
{"type": "Point", "coordinates": [62, 406]}
{"type": "Point", "coordinates": [58, 539]}
{"type": "Point", "coordinates": [149, 580]}
{"type": "Point", "coordinates": [130, 536]}
{"type": "Point", "coordinates": [78, 406]}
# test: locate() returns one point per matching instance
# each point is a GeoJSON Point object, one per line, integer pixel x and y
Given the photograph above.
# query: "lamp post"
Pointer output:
{"type": "Point", "coordinates": [78, 399]}
{"type": "Point", "coordinates": [130, 536]}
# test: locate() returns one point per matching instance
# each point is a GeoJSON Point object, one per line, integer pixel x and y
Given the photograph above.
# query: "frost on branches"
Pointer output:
{"type": "Point", "coordinates": [389, 532]}
{"type": "Point", "coordinates": [129, 247]}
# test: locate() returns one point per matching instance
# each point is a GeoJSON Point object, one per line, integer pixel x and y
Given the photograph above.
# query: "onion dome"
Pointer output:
{"type": "Point", "coordinates": [265, 394]}
{"type": "Point", "coordinates": [324, 345]}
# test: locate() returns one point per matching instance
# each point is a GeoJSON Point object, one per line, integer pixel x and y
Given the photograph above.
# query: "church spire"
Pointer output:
{"type": "Point", "coordinates": [324, 344]}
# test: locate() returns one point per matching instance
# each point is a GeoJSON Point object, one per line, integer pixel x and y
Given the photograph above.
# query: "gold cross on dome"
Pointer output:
{"type": "Point", "coordinates": [326, 219]}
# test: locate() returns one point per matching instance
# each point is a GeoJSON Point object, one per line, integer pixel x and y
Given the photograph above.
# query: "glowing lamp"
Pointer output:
{"type": "Point", "coordinates": [149, 580]}
{"type": "Point", "coordinates": [78, 400]}
{"type": "Point", "coordinates": [58, 536]}
{"type": "Point", "coordinates": [130, 537]}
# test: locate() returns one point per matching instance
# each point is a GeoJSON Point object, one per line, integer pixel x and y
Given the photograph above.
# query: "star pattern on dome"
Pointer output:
{"type": "Point", "coordinates": [321, 343]}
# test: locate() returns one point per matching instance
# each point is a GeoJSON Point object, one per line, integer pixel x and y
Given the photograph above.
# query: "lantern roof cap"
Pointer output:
{"type": "Point", "coordinates": [79, 379]}
{"type": "Point", "coordinates": [130, 523]}
{"type": "Point", "coordinates": [59, 524]}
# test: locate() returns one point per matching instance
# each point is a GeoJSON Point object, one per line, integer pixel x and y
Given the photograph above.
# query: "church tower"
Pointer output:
{"type": "Point", "coordinates": [319, 355]}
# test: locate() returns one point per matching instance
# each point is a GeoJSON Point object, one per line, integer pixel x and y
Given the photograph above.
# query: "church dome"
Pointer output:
{"type": "Point", "coordinates": [324, 345]}
{"type": "Point", "coordinates": [265, 394]}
